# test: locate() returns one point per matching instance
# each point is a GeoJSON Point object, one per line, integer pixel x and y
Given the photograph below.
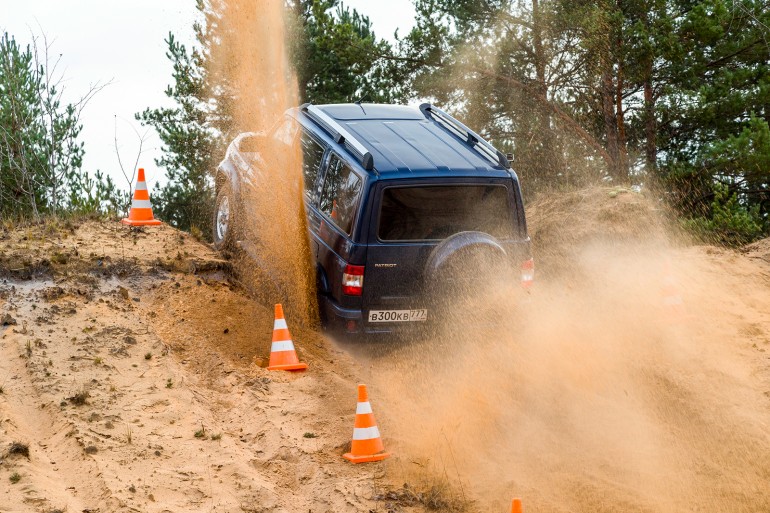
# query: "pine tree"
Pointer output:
{"type": "Point", "coordinates": [22, 191]}
{"type": "Point", "coordinates": [40, 154]}
{"type": "Point", "coordinates": [189, 138]}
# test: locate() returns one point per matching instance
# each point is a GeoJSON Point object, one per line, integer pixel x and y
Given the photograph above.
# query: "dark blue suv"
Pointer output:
{"type": "Point", "coordinates": [404, 205]}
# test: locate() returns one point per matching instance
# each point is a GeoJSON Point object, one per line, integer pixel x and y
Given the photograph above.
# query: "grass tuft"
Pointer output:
{"type": "Point", "coordinates": [435, 496]}
{"type": "Point", "coordinates": [196, 233]}
{"type": "Point", "coordinates": [19, 449]}
{"type": "Point", "coordinates": [80, 398]}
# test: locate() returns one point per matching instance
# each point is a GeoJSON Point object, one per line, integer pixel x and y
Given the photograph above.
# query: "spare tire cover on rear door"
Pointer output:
{"type": "Point", "coordinates": [464, 262]}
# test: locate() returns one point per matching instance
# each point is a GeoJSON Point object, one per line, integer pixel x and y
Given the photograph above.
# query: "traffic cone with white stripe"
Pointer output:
{"type": "Point", "coordinates": [334, 215]}
{"type": "Point", "coordinates": [282, 354]}
{"type": "Point", "coordinates": [367, 443]}
{"type": "Point", "coordinates": [141, 208]}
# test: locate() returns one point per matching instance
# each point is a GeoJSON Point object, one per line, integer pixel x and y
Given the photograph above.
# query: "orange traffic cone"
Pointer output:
{"type": "Point", "coordinates": [282, 354]}
{"type": "Point", "coordinates": [367, 444]}
{"type": "Point", "coordinates": [516, 506]}
{"type": "Point", "coordinates": [334, 215]}
{"type": "Point", "coordinates": [141, 209]}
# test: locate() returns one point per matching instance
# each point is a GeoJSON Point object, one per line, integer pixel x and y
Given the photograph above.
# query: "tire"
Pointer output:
{"type": "Point", "coordinates": [225, 219]}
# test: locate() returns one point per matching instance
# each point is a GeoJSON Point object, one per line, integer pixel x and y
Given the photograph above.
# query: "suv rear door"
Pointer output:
{"type": "Point", "coordinates": [410, 218]}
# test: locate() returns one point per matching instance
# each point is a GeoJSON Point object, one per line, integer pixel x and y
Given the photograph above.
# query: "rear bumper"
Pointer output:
{"type": "Point", "coordinates": [353, 321]}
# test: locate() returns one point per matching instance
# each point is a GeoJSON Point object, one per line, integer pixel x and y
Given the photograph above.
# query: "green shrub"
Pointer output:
{"type": "Point", "coordinates": [729, 222]}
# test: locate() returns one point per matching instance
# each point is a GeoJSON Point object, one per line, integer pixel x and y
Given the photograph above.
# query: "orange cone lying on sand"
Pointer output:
{"type": "Point", "coordinates": [367, 444]}
{"type": "Point", "coordinates": [282, 354]}
{"type": "Point", "coordinates": [141, 209]}
{"type": "Point", "coordinates": [516, 506]}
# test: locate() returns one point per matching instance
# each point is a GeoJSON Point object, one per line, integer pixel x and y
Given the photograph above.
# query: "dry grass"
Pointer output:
{"type": "Point", "coordinates": [80, 398]}
{"type": "Point", "coordinates": [434, 495]}
{"type": "Point", "coordinates": [18, 449]}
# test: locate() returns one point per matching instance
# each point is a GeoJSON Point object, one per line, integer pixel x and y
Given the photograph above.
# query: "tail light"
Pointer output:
{"type": "Point", "coordinates": [353, 280]}
{"type": "Point", "coordinates": [527, 273]}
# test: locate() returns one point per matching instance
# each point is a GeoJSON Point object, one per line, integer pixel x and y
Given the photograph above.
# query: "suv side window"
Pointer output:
{"type": "Point", "coordinates": [339, 196]}
{"type": "Point", "coordinates": [285, 131]}
{"type": "Point", "coordinates": [312, 154]}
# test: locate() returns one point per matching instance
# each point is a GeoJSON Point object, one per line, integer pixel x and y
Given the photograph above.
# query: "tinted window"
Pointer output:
{"type": "Point", "coordinates": [339, 196]}
{"type": "Point", "coordinates": [430, 213]}
{"type": "Point", "coordinates": [312, 154]}
{"type": "Point", "coordinates": [285, 131]}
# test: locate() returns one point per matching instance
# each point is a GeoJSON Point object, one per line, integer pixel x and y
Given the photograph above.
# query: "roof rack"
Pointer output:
{"type": "Point", "coordinates": [462, 131]}
{"type": "Point", "coordinates": [340, 135]}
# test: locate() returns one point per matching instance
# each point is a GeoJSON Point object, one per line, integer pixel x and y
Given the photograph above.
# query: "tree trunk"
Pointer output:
{"type": "Point", "coordinates": [547, 154]}
{"type": "Point", "coordinates": [620, 120]}
{"type": "Point", "coordinates": [650, 123]}
{"type": "Point", "coordinates": [300, 26]}
{"type": "Point", "coordinates": [610, 121]}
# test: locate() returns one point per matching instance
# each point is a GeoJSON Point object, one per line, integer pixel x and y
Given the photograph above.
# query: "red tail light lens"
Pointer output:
{"type": "Point", "coordinates": [353, 280]}
{"type": "Point", "coordinates": [527, 273]}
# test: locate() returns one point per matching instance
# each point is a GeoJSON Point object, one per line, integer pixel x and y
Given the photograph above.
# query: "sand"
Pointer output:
{"type": "Point", "coordinates": [591, 393]}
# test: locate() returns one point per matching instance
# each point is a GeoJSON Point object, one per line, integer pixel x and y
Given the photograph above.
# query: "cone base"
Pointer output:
{"type": "Point", "coordinates": [289, 367]}
{"type": "Point", "coordinates": [365, 458]}
{"type": "Point", "coordinates": [131, 222]}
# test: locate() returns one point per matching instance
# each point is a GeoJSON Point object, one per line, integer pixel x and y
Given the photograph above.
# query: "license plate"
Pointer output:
{"type": "Point", "coordinates": [398, 315]}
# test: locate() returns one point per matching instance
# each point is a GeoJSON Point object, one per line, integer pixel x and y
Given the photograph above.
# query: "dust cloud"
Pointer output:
{"type": "Point", "coordinates": [597, 391]}
{"type": "Point", "coordinates": [594, 392]}
{"type": "Point", "coordinates": [251, 60]}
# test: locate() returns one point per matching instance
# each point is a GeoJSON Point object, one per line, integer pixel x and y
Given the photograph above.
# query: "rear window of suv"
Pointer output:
{"type": "Point", "coordinates": [437, 212]}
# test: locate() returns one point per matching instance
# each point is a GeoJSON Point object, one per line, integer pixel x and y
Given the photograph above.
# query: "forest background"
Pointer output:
{"type": "Point", "coordinates": [667, 97]}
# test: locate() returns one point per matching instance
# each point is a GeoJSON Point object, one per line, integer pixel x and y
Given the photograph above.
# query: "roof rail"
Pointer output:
{"type": "Point", "coordinates": [462, 131]}
{"type": "Point", "coordinates": [340, 135]}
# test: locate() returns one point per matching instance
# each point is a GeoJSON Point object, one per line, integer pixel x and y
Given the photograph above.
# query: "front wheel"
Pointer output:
{"type": "Point", "coordinates": [223, 226]}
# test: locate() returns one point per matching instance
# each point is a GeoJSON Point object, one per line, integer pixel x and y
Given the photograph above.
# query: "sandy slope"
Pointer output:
{"type": "Point", "coordinates": [149, 348]}
{"type": "Point", "coordinates": [587, 395]}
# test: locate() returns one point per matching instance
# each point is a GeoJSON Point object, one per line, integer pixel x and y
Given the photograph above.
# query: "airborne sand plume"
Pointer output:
{"type": "Point", "coordinates": [592, 394]}
{"type": "Point", "coordinates": [251, 59]}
